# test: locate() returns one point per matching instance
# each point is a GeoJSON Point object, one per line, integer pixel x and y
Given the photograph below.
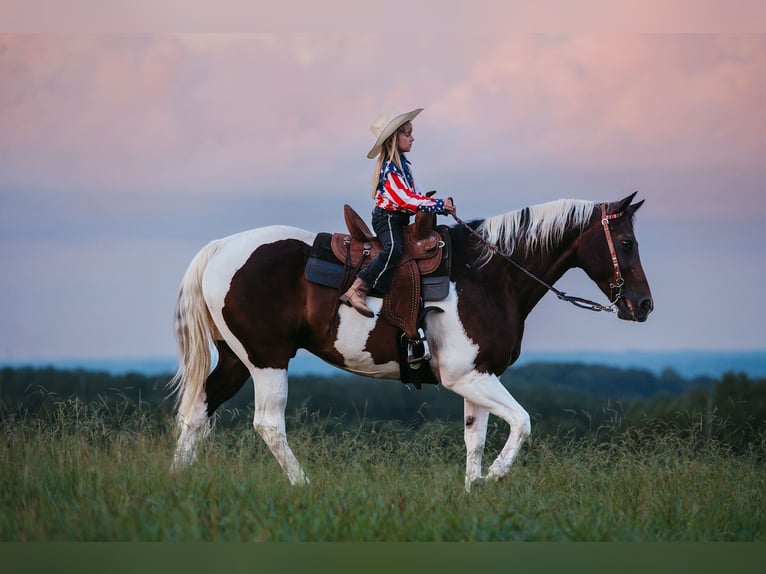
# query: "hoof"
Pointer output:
{"type": "Point", "coordinates": [475, 484]}
{"type": "Point", "coordinates": [299, 480]}
{"type": "Point", "coordinates": [182, 463]}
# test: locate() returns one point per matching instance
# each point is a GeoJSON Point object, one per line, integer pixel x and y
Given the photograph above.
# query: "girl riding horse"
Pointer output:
{"type": "Point", "coordinates": [396, 199]}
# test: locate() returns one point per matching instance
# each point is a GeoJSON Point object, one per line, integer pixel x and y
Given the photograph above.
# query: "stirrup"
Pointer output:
{"type": "Point", "coordinates": [418, 350]}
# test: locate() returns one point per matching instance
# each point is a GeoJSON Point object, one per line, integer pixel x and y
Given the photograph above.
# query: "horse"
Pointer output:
{"type": "Point", "coordinates": [247, 296]}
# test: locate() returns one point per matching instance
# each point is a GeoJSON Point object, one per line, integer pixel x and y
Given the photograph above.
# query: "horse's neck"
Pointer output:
{"type": "Point", "coordinates": [546, 265]}
{"type": "Point", "coordinates": [550, 272]}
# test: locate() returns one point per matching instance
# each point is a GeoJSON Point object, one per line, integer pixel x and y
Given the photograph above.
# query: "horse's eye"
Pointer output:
{"type": "Point", "coordinates": [627, 244]}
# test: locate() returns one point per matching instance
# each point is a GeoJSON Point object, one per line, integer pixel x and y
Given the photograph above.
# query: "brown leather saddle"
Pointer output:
{"type": "Point", "coordinates": [423, 253]}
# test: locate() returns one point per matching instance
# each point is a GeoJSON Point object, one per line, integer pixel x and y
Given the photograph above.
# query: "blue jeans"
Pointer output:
{"type": "Point", "coordinates": [389, 226]}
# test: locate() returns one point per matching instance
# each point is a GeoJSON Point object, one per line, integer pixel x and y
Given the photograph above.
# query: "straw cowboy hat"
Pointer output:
{"type": "Point", "coordinates": [386, 124]}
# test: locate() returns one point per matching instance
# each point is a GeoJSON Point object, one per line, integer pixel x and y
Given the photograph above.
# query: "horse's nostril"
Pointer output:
{"type": "Point", "coordinates": [647, 305]}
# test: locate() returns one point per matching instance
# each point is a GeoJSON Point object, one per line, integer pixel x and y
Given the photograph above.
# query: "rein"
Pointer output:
{"type": "Point", "coordinates": [576, 301]}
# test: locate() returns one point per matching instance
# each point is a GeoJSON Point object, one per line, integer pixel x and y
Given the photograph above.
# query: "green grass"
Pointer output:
{"type": "Point", "coordinates": [95, 472]}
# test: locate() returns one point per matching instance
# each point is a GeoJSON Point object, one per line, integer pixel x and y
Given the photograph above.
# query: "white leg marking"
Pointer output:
{"type": "Point", "coordinates": [269, 420]}
{"type": "Point", "coordinates": [520, 428]}
{"type": "Point", "coordinates": [191, 425]}
{"type": "Point", "coordinates": [475, 435]}
{"type": "Point", "coordinates": [454, 359]}
{"type": "Point", "coordinates": [486, 392]}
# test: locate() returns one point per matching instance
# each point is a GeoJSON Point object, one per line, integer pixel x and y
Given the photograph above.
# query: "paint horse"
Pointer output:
{"type": "Point", "coordinates": [247, 295]}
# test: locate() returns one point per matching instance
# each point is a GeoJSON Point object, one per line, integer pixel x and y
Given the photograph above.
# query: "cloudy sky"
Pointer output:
{"type": "Point", "coordinates": [122, 155]}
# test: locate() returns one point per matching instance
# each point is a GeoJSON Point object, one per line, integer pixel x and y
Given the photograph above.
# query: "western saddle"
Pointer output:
{"type": "Point", "coordinates": [425, 249]}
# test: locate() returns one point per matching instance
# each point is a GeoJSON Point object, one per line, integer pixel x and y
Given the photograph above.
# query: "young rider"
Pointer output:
{"type": "Point", "coordinates": [396, 199]}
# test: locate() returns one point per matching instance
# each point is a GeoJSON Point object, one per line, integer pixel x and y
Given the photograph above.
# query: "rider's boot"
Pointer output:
{"type": "Point", "coordinates": [355, 296]}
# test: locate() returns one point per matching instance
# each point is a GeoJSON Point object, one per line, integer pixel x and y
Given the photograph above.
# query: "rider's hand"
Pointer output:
{"type": "Point", "coordinates": [449, 206]}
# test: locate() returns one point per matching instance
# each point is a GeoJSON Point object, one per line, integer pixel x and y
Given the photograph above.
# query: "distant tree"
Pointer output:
{"type": "Point", "coordinates": [562, 399]}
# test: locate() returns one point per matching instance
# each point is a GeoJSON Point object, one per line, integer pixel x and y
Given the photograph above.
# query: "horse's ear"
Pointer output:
{"type": "Point", "coordinates": [631, 209]}
{"type": "Point", "coordinates": [626, 202]}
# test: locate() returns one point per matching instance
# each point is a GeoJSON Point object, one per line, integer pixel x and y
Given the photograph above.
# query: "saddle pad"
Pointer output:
{"type": "Point", "coordinates": [324, 272]}
{"type": "Point", "coordinates": [329, 274]}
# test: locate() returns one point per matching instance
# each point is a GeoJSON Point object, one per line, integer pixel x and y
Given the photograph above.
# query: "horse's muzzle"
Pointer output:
{"type": "Point", "coordinates": [630, 311]}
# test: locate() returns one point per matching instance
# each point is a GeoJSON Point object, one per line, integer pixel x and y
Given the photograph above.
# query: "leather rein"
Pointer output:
{"type": "Point", "coordinates": [576, 301]}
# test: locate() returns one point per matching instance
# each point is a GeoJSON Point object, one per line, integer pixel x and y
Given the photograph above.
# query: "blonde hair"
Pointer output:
{"type": "Point", "coordinates": [389, 151]}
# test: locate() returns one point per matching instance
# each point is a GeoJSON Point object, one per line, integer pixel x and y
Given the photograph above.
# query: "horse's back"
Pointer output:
{"type": "Point", "coordinates": [244, 255]}
{"type": "Point", "coordinates": [249, 240]}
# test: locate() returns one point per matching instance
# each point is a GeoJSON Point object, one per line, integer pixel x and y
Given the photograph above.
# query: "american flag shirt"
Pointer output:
{"type": "Point", "coordinates": [397, 192]}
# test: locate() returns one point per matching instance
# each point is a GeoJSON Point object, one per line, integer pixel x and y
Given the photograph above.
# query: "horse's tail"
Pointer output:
{"type": "Point", "coordinates": [194, 334]}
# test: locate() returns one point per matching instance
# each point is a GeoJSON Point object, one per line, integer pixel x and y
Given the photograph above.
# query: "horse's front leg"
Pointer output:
{"type": "Point", "coordinates": [475, 435]}
{"type": "Point", "coordinates": [486, 392]}
{"type": "Point", "coordinates": [520, 427]}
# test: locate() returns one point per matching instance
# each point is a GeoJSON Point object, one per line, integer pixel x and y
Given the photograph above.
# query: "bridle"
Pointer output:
{"type": "Point", "coordinates": [616, 287]}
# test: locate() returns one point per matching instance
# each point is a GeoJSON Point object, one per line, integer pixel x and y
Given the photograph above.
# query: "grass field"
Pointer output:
{"type": "Point", "coordinates": [90, 473]}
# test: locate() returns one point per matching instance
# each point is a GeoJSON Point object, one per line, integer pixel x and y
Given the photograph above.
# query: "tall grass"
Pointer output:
{"type": "Point", "coordinates": [100, 472]}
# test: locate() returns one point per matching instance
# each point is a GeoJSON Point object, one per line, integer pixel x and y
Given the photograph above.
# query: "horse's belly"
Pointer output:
{"type": "Point", "coordinates": [364, 345]}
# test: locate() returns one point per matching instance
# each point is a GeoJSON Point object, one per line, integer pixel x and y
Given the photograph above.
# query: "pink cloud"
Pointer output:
{"type": "Point", "coordinates": [172, 113]}
{"type": "Point", "coordinates": [620, 100]}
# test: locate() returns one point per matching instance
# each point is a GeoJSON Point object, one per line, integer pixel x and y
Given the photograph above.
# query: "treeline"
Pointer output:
{"type": "Point", "coordinates": [562, 399]}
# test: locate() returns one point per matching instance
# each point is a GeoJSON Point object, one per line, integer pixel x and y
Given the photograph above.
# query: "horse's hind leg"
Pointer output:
{"type": "Point", "coordinates": [269, 420]}
{"type": "Point", "coordinates": [223, 382]}
{"type": "Point", "coordinates": [226, 379]}
{"type": "Point", "coordinates": [191, 425]}
{"type": "Point", "coordinates": [475, 436]}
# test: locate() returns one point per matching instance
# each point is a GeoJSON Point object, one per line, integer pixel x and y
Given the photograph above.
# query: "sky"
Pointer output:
{"type": "Point", "coordinates": [121, 155]}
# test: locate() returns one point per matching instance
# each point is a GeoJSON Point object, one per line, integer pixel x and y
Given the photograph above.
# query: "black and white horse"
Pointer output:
{"type": "Point", "coordinates": [247, 295]}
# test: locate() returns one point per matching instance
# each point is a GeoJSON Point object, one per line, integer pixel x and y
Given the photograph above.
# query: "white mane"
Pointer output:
{"type": "Point", "coordinates": [535, 227]}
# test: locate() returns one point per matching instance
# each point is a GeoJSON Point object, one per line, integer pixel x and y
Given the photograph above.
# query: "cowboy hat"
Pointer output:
{"type": "Point", "coordinates": [386, 124]}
